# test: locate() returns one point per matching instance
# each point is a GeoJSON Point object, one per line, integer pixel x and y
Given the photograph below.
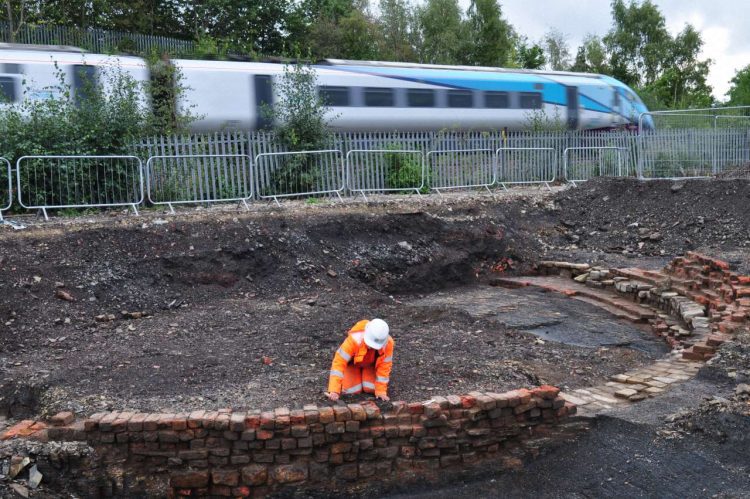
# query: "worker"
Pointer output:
{"type": "Point", "coordinates": [363, 361]}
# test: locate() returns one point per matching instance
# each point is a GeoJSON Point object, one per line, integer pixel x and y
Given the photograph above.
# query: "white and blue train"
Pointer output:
{"type": "Point", "coordinates": [377, 96]}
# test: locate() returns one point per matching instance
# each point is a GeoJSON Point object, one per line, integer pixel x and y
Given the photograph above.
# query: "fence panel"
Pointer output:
{"type": "Point", "coordinates": [198, 178]}
{"type": "Point", "coordinates": [677, 154]}
{"type": "Point", "coordinates": [526, 165]}
{"type": "Point", "coordinates": [6, 182]}
{"type": "Point", "coordinates": [300, 173]}
{"type": "Point", "coordinates": [460, 169]}
{"type": "Point", "coordinates": [584, 163]}
{"type": "Point", "coordinates": [385, 170]}
{"type": "Point", "coordinates": [51, 182]}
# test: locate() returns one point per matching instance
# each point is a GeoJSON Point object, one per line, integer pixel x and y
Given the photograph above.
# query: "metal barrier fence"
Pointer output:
{"type": "Point", "coordinates": [301, 173]}
{"type": "Point", "coordinates": [526, 165]}
{"type": "Point", "coordinates": [54, 182]}
{"type": "Point", "coordinates": [198, 178]}
{"type": "Point", "coordinates": [460, 169]}
{"type": "Point", "coordinates": [593, 162]}
{"type": "Point", "coordinates": [385, 170]}
{"type": "Point", "coordinates": [677, 154]}
{"type": "Point", "coordinates": [5, 180]}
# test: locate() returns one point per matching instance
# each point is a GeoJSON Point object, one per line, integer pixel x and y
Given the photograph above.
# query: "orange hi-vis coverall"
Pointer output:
{"type": "Point", "coordinates": [357, 367]}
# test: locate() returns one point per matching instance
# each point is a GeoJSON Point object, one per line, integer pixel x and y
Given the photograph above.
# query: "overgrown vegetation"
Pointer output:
{"type": "Point", "coordinates": [105, 115]}
{"type": "Point", "coordinates": [300, 121]}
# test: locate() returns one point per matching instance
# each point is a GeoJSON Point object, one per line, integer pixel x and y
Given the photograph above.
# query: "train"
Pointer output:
{"type": "Point", "coordinates": [359, 95]}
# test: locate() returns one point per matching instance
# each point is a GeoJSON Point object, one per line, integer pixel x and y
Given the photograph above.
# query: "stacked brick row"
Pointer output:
{"type": "Point", "coordinates": [243, 454]}
{"type": "Point", "coordinates": [724, 294]}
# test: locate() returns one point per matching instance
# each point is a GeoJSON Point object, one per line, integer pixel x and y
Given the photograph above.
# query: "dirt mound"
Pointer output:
{"type": "Point", "coordinates": [656, 217]}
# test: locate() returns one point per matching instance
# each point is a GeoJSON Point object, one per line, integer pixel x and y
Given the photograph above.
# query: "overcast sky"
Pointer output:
{"type": "Point", "coordinates": [724, 24]}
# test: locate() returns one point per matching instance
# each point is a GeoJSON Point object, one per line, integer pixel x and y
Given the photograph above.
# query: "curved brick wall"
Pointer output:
{"type": "Point", "coordinates": [254, 453]}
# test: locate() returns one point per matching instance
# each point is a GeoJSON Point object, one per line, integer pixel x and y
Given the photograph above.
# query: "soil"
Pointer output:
{"type": "Point", "coordinates": [658, 218]}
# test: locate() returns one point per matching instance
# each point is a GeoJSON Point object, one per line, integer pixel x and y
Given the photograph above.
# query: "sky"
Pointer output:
{"type": "Point", "coordinates": [723, 24]}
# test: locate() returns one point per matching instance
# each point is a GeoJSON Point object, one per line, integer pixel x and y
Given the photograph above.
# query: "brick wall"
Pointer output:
{"type": "Point", "coordinates": [243, 454]}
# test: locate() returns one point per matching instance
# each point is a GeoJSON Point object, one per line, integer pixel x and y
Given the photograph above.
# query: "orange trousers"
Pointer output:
{"type": "Point", "coordinates": [358, 379]}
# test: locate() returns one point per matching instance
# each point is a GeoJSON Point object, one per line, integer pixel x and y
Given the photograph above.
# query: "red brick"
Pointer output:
{"type": "Point", "coordinates": [252, 420]}
{"type": "Point", "coordinates": [297, 417]}
{"type": "Point", "coordinates": [290, 473]}
{"type": "Point", "coordinates": [545, 392]}
{"type": "Point", "coordinates": [342, 413]}
{"type": "Point", "coordinates": [225, 477]}
{"type": "Point", "coordinates": [264, 434]}
{"type": "Point", "coordinates": [189, 479]}
{"type": "Point", "coordinates": [468, 401]}
{"type": "Point", "coordinates": [241, 491]}
{"type": "Point", "coordinates": [326, 415]}
{"type": "Point", "coordinates": [358, 412]}
{"type": "Point", "coordinates": [62, 418]}
{"type": "Point", "coordinates": [254, 475]}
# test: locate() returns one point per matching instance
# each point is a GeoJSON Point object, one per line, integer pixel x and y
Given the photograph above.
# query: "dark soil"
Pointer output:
{"type": "Point", "coordinates": [246, 310]}
{"type": "Point", "coordinates": [654, 218]}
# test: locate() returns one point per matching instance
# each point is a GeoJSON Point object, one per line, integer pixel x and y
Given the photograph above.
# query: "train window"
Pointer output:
{"type": "Point", "coordinates": [84, 81]}
{"type": "Point", "coordinates": [460, 98]}
{"type": "Point", "coordinates": [496, 100]}
{"type": "Point", "coordinates": [7, 89]}
{"type": "Point", "coordinates": [420, 97]}
{"type": "Point", "coordinates": [531, 100]}
{"type": "Point", "coordinates": [378, 97]}
{"type": "Point", "coordinates": [334, 96]}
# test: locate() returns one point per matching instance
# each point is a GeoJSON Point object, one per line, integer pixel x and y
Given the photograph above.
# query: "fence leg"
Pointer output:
{"type": "Point", "coordinates": [363, 195]}
{"type": "Point", "coordinates": [488, 189]}
{"type": "Point", "coordinates": [171, 209]}
{"type": "Point", "coordinates": [1, 215]}
{"type": "Point", "coordinates": [44, 212]}
{"type": "Point", "coordinates": [276, 200]}
{"type": "Point", "coordinates": [244, 203]}
{"type": "Point", "coordinates": [546, 184]}
{"type": "Point", "coordinates": [418, 193]}
{"type": "Point", "coordinates": [135, 209]}
{"type": "Point", "coordinates": [339, 195]}
{"type": "Point", "coordinates": [502, 184]}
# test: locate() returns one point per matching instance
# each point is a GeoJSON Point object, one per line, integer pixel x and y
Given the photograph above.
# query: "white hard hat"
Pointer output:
{"type": "Point", "coordinates": [376, 334]}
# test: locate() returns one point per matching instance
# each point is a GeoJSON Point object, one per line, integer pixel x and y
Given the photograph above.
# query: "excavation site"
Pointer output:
{"type": "Point", "coordinates": [577, 341]}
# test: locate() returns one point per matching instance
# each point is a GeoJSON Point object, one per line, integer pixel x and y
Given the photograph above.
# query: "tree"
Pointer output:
{"type": "Point", "coordinates": [638, 42]}
{"type": "Point", "coordinates": [683, 83]}
{"type": "Point", "coordinates": [442, 32]}
{"type": "Point", "coordinates": [591, 56]}
{"type": "Point", "coordinates": [488, 33]}
{"type": "Point", "coordinates": [529, 56]}
{"type": "Point", "coordinates": [739, 90]}
{"type": "Point", "coordinates": [556, 50]}
{"type": "Point", "coordinates": [396, 23]}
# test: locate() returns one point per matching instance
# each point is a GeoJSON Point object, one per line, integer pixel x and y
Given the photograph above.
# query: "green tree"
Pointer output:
{"type": "Point", "coordinates": [638, 42]}
{"type": "Point", "coordinates": [488, 34]}
{"type": "Point", "coordinates": [442, 32]}
{"type": "Point", "coordinates": [683, 83]}
{"type": "Point", "coordinates": [397, 26]}
{"type": "Point", "coordinates": [591, 56]}
{"type": "Point", "coordinates": [739, 89]}
{"type": "Point", "coordinates": [528, 56]}
{"type": "Point", "coordinates": [556, 50]}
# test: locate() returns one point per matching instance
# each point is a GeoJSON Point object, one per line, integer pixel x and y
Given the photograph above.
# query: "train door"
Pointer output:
{"type": "Point", "coordinates": [573, 107]}
{"type": "Point", "coordinates": [263, 99]}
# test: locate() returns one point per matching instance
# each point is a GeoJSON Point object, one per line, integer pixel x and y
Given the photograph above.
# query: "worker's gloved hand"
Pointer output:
{"type": "Point", "coordinates": [383, 397]}
{"type": "Point", "coordinates": [333, 396]}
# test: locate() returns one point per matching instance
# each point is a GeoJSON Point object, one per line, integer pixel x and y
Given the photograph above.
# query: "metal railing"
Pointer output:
{"type": "Point", "coordinates": [198, 178]}
{"type": "Point", "coordinates": [385, 170]}
{"type": "Point", "coordinates": [58, 182]}
{"type": "Point", "coordinates": [299, 174]}
{"type": "Point", "coordinates": [526, 165]}
{"type": "Point", "coordinates": [595, 163]}
{"type": "Point", "coordinates": [459, 169]}
{"type": "Point", "coordinates": [8, 180]}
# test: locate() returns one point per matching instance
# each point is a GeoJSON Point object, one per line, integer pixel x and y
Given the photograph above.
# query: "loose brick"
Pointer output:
{"type": "Point", "coordinates": [342, 413]}
{"type": "Point", "coordinates": [290, 473]}
{"type": "Point", "coordinates": [326, 415]}
{"type": "Point", "coordinates": [62, 418]}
